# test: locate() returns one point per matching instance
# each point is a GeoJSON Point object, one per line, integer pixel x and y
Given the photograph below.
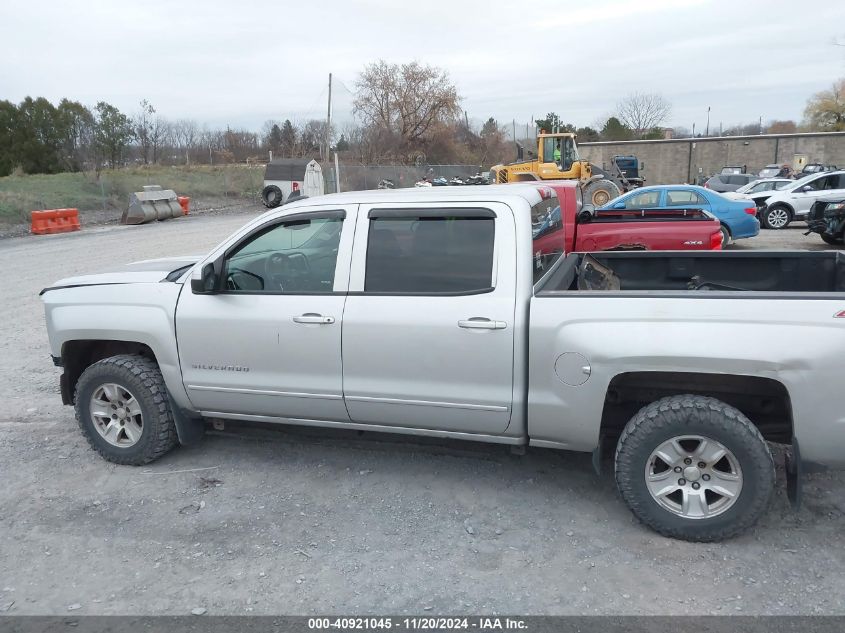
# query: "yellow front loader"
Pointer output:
{"type": "Point", "coordinates": [557, 159]}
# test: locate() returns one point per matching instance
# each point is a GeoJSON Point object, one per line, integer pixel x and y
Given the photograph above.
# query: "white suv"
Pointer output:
{"type": "Point", "coordinates": [794, 202]}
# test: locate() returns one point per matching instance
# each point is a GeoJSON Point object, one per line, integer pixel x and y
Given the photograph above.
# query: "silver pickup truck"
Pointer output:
{"type": "Point", "coordinates": [428, 312]}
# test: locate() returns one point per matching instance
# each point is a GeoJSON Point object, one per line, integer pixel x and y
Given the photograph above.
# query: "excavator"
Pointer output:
{"type": "Point", "coordinates": [557, 159]}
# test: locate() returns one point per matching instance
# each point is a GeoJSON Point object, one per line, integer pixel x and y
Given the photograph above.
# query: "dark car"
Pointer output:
{"type": "Point", "coordinates": [827, 218]}
{"type": "Point", "coordinates": [815, 168]}
{"type": "Point", "coordinates": [721, 183]}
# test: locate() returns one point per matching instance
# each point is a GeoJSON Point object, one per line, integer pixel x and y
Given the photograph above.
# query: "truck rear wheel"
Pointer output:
{"type": "Point", "coordinates": [599, 192]}
{"type": "Point", "coordinates": [837, 240]}
{"type": "Point", "coordinates": [123, 410]}
{"type": "Point", "coordinates": [694, 468]}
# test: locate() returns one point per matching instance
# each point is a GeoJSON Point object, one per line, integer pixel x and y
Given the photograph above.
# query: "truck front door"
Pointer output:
{"type": "Point", "coordinates": [267, 344]}
{"type": "Point", "coordinates": [428, 330]}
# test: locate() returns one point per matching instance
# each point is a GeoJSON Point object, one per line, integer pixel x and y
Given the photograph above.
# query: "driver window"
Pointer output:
{"type": "Point", "coordinates": [292, 257]}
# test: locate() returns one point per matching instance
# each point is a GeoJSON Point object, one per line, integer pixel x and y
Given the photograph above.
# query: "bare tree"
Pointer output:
{"type": "Point", "coordinates": [406, 100]}
{"type": "Point", "coordinates": [311, 139]}
{"type": "Point", "coordinates": [186, 136]}
{"type": "Point", "coordinates": [643, 112]}
{"type": "Point", "coordinates": [159, 131]}
{"type": "Point", "coordinates": [142, 127]}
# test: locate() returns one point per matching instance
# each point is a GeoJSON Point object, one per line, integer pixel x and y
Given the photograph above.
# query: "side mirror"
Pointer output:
{"type": "Point", "coordinates": [618, 205]}
{"type": "Point", "coordinates": [207, 283]}
{"type": "Point", "coordinates": [642, 166]}
{"type": "Point", "coordinates": [806, 189]}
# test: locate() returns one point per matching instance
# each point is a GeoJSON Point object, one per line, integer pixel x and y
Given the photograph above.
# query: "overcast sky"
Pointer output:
{"type": "Point", "coordinates": [241, 63]}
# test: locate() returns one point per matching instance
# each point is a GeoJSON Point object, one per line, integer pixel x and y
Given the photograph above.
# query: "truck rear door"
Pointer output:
{"type": "Point", "coordinates": [428, 329]}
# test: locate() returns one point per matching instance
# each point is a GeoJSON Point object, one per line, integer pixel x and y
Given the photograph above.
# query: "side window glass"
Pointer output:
{"type": "Point", "coordinates": [683, 197]}
{"type": "Point", "coordinates": [548, 236]}
{"type": "Point", "coordinates": [425, 254]}
{"type": "Point", "coordinates": [646, 200]}
{"type": "Point", "coordinates": [675, 197]}
{"type": "Point", "coordinates": [549, 155]}
{"type": "Point", "coordinates": [296, 256]}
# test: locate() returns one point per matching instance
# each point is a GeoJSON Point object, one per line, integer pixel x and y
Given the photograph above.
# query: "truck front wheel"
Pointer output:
{"type": "Point", "coordinates": [694, 468]}
{"type": "Point", "coordinates": [123, 410]}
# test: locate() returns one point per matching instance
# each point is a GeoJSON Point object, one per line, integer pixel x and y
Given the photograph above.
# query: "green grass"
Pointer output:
{"type": "Point", "coordinates": [86, 191]}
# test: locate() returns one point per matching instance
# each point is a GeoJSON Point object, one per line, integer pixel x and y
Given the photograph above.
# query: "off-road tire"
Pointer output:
{"type": "Point", "coordinates": [143, 378]}
{"type": "Point", "coordinates": [764, 216]}
{"type": "Point", "coordinates": [272, 196]}
{"type": "Point", "coordinates": [837, 240]}
{"type": "Point", "coordinates": [687, 415]}
{"type": "Point", "coordinates": [599, 192]}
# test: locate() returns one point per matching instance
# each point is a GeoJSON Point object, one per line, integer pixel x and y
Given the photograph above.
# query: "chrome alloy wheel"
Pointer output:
{"type": "Point", "coordinates": [116, 415]}
{"type": "Point", "coordinates": [693, 476]}
{"type": "Point", "coordinates": [777, 217]}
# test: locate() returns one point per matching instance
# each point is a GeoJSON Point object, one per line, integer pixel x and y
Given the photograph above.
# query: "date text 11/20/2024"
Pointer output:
{"type": "Point", "coordinates": [424, 623]}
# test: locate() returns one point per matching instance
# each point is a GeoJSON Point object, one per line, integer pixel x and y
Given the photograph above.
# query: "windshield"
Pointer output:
{"type": "Point", "coordinates": [802, 181]}
{"type": "Point", "coordinates": [750, 187]}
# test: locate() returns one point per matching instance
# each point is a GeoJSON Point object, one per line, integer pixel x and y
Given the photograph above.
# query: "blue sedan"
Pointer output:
{"type": "Point", "coordinates": [737, 217]}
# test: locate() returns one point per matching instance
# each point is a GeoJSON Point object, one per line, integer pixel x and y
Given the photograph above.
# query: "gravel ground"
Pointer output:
{"type": "Point", "coordinates": [267, 521]}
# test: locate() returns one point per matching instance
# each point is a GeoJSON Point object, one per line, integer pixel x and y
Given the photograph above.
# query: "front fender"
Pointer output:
{"type": "Point", "coordinates": [139, 313]}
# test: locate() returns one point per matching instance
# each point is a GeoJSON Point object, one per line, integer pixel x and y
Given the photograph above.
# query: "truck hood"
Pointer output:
{"type": "Point", "coordinates": [146, 271]}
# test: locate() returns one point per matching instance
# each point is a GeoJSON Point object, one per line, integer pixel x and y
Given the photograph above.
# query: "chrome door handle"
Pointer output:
{"type": "Point", "coordinates": [310, 317]}
{"type": "Point", "coordinates": [482, 323]}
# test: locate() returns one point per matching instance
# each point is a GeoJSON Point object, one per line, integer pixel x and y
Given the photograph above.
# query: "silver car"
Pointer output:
{"type": "Point", "coordinates": [721, 183]}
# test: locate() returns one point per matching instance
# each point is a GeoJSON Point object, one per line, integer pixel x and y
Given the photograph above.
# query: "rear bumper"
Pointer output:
{"type": "Point", "coordinates": [747, 226]}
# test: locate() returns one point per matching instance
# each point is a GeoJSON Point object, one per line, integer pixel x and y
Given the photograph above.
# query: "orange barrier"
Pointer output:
{"type": "Point", "coordinates": [185, 203]}
{"type": "Point", "coordinates": [55, 221]}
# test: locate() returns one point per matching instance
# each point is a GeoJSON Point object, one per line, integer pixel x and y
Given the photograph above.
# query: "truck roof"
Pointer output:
{"type": "Point", "coordinates": [528, 191]}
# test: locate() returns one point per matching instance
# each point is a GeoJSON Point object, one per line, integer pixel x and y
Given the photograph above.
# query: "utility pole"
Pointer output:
{"type": "Point", "coordinates": [329, 121]}
{"type": "Point", "coordinates": [761, 124]}
{"type": "Point", "coordinates": [707, 129]}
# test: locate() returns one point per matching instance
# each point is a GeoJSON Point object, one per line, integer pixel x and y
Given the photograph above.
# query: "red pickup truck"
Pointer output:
{"type": "Point", "coordinates": [578, 230]}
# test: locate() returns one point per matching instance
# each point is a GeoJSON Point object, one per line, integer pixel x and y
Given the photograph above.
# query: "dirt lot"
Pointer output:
{"type": "Point", "coordinates": [300, 522]}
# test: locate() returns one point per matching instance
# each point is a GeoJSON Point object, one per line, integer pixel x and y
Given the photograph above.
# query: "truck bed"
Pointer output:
{"type": "Point", "coordinates": [697, 271]}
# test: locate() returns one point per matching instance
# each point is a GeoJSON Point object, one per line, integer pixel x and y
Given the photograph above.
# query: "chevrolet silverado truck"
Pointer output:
{"type": "Point", "coordinates": [428, 312]}
{"type": "Point", "coordinates": [580, 228]}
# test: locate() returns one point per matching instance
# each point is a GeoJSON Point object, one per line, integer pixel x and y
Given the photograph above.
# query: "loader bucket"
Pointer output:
{"type": "Point", "coordinates": [153, 203]}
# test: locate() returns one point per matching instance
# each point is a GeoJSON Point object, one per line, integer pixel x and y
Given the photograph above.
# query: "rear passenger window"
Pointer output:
{"type": "Point", "coordinates": [645, 200]}
{"type": "Point", "coordinates": [683, 197]}
{"type": "Point", "coordinates": [430, 253]}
